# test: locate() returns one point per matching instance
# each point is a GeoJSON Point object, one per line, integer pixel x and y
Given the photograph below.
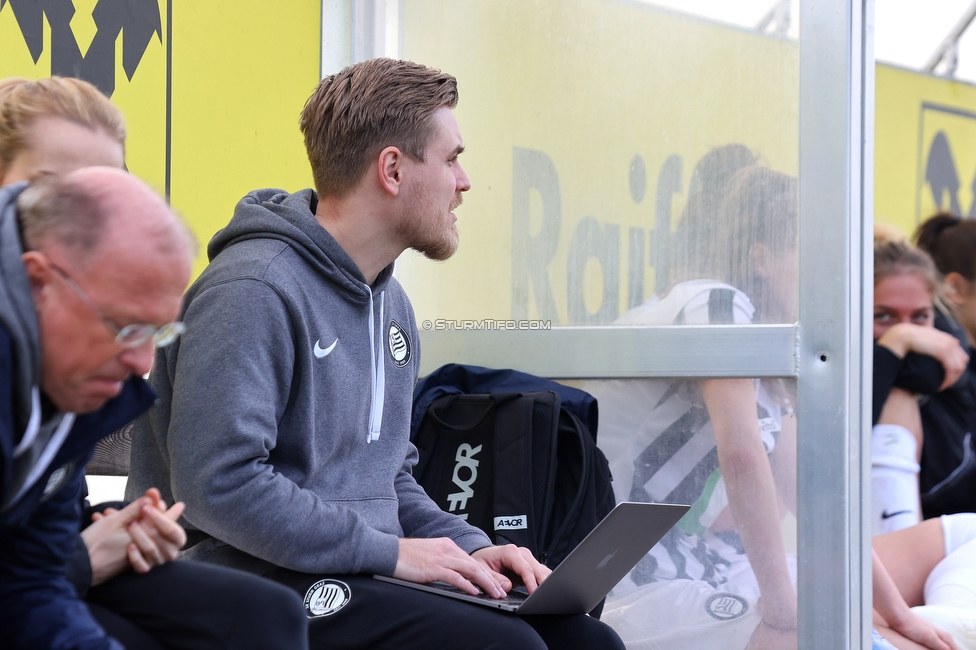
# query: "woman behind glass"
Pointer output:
{"type": "Point", "coordinates": [722, 577]}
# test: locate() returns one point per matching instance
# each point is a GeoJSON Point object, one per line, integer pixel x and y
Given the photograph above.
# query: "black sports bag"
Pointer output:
{"type": "Point", "coordinates": [516, 465]}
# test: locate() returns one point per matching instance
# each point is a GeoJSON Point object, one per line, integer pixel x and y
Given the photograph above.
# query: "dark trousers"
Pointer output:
{"type": "Point", "coordinates": [193, 605]}
{"type": "Point", "coordinates": [358, 611]}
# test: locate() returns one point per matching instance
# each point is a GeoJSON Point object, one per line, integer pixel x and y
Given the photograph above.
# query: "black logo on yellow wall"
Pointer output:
{"type": "Point", "coordinates": [136, 21]}
{"type": "Point", "coordinates": [947, 161]}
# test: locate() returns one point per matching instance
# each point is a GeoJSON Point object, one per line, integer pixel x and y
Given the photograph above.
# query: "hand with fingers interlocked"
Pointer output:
{"type": "Point", "coordinates": [140, 536]}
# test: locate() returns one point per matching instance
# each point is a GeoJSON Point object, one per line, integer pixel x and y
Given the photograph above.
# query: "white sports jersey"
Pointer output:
{"type": "Point", "coordinates": [696, 302]}
{"type": "Point", "coordinates": [659, 441]}
{"type": "Point", "coordinates": [689, 614]}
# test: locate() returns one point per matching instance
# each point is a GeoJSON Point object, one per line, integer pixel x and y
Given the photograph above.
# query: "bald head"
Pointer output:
{"type": "Point", "coordinates": [103, 252]}
{"type": "Point", "coordinates": [98, 211]}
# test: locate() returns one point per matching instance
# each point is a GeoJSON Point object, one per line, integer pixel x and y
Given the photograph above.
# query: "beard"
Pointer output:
{"type": "Point", "coordinates": [440, 248]}
{"type": "Point", "coordinates": [431, 238]}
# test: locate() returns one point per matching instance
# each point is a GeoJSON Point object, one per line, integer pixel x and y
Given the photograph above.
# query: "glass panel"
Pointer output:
{"type": "Point", "coordinates": [613, 148]}
{"type": "Point", "coordinates": [727, 447]}
{"type": "Point", "coordinates": [635, 164]}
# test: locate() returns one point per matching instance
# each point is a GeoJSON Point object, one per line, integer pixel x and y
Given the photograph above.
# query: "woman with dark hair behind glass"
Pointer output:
{"type": "Point", "coordinates": [948, 461]}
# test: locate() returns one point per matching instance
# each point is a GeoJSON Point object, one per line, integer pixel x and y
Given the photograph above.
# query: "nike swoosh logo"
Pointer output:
{"type": "Point", "coordinates": [888, 515]}
{"type": "Point", "coordinates": [320, 352]}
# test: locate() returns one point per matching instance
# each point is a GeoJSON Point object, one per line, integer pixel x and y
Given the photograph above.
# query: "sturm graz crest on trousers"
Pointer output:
{"type": "Point", "coordinates": [137, 21]}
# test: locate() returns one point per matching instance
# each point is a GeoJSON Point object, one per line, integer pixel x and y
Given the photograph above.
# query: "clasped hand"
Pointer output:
{"type": "Point", "coordinates": [140, 536]}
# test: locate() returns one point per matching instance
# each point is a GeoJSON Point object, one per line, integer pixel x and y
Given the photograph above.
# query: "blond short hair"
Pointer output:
{"type": "Point", "coordinates": [23, 101]}
{"type": "Point", "coordinates": [895, 255]}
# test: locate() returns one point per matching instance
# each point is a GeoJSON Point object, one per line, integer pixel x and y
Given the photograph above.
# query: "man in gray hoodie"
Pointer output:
{"type": "Point", "coordinates": [285, 409]}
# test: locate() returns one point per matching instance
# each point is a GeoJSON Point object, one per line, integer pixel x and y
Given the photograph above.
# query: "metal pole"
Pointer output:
{"type": "Point", "coordinates": [778, 16]}
{"type": "Point", "coordinates": [834, 375]}
{"type": "Point", "coordinates": [948, 44]}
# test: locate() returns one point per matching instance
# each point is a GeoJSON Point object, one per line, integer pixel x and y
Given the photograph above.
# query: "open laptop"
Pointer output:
{"type": "Point", "coordinates": [590, 571]}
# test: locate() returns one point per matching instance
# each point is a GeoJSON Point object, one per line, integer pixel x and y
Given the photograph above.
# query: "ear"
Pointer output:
{"type": "Point", "coordinates": [39, 274]}
{"type": "Point", "coordinates": [389, 165]}
{"type": "Point", "coordinates": [957, 288]}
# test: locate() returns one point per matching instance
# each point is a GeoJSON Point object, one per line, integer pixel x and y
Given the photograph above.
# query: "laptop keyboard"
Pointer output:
{"type": "Point", "coordinates": [514, 597]}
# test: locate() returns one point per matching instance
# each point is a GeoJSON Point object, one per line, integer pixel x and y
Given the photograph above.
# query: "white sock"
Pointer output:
{"type": "Point", "coordinates": [894, 479]}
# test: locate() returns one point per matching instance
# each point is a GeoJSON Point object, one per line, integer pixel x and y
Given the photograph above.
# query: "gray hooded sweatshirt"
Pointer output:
{"type": "Point", "coordinates": [284, 412]}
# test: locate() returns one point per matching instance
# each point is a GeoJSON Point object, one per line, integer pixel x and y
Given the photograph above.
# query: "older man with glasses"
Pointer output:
{"type": "Point", "coordinates": [92, 270]}
{"type": "Point", "coordinates": [130, 336]}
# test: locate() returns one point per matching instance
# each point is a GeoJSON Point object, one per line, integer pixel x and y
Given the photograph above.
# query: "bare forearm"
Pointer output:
{"type": "Point", "coordinates": [783, 462]}
{"type": "Point", "coordinates": [888, 601]}
{"type": "Point", "coordinates": [752, 500]}
{"type": "Point", "coordinates": [752, 493]}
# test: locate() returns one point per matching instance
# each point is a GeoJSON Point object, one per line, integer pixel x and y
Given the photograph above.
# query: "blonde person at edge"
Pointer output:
{"type": "Point", "coordinates": [911, 355]}
{"type": "Point", "coordinates": [48, 128]}
{"type": "Point", "coordinates": [933, 564]}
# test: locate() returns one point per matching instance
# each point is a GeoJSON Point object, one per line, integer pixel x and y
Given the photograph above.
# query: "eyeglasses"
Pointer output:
{"type": "Point", "coordinates": [130, 336]}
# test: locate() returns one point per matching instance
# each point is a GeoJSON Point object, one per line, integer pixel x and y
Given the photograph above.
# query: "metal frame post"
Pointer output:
{"type": "Point", "coordinates": [834, 369]}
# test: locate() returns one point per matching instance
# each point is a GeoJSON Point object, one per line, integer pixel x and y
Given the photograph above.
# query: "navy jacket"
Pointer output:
{"type": "Point", "coordinates": [39, 606]}
{"type": "Point", "coordinates": [457, 379]}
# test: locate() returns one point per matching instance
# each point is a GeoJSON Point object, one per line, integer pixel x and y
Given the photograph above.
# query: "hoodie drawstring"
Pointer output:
{"type": "Point", "coordinates": [50, 450]}
{"type": "Point", "coordinates": [377, 371]}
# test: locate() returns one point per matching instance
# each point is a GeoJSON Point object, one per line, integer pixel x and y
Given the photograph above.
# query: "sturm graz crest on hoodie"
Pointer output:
{"type": "Point", "coordinates": [399, 344]}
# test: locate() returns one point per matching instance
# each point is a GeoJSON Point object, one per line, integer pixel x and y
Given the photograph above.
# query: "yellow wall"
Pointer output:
{"type": "Point", "coordinates": [142, 100]}
{"type": "Point", "coordinates": [912, 110]}
{"type": "Point", "coordinates": [584, 86]}
{"type": "Point", "coordinates": [241, 72]}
